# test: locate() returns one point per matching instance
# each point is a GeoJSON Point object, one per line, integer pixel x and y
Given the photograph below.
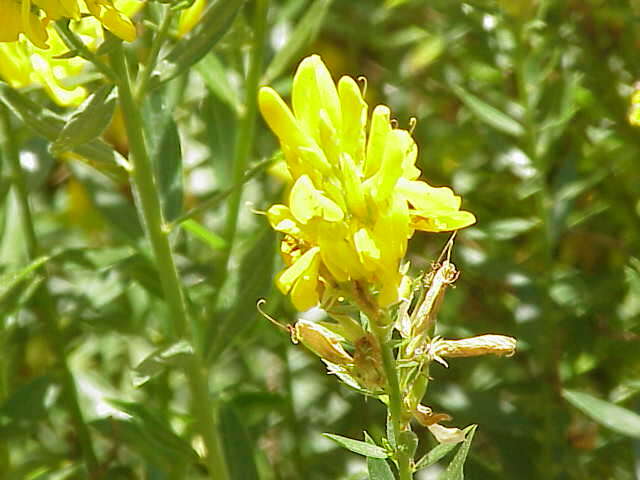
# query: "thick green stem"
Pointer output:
{"type": "Point", "coordinates": [149, 208]}
{"type": "Point", "coordinates": [45, 305]}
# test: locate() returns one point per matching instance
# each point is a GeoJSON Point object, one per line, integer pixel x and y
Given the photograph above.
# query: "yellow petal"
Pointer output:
{"type": "Point", "coordinates": [313, 89]}
{"type": "Point", "coordinates": [307, 202]}
{"type": "Point", "coordinates": [354, 119]}
{"type": "Point", "coordinates": [380, 129]}
{"type": "Point", "coordinates": [288, 277]}
{"type": "Point", "coordinates": [190, 17]}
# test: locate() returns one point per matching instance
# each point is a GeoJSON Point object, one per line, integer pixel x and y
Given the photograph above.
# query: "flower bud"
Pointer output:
{"type": "Point", "coordinates": [321, 341]}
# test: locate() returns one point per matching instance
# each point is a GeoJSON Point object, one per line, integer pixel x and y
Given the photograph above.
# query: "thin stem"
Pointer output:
{"type": "Point", "coordinates": [152, 59]}
{"type": "Point", "coordinates": [247, 123]}
{"type": "Point", "coordinates": [149, 209]}
{"type": "Point", "coordinates": [45, 306]}
{"type": "Point", "coordinates": [551, 448]}
{"type": "Point", "coordinates": [379, 327]}
{"type": "Point", "coordinates": [72, 41]}
{"type": "Point", "coordinates": [218, 197]}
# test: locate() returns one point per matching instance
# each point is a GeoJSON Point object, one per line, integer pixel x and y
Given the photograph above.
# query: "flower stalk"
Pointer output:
{"type": "Point", "coordinates": [149, 208]}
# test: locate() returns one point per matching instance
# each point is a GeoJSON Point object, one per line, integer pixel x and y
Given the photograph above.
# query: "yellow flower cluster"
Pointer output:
{"type": "Point", "coordinates": [24, 64]}
{"type": "Point", "coordinates": [30, 18]}
{"type": "Point", "coordinates": [356, 198]}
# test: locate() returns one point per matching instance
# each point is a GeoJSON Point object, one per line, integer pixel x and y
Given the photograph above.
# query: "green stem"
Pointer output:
{"type": "Point", "coordinates": [247, 124]}
{"type": "Point", "coordinates": [152, 60]}
{"type": "Point", "coordinates": [379, 326]}
{"type": "Point", "coordinates": [45, 306]}
{"type": "Point", "coordinates": [149, 209]}
{"type": "Point", "coordinates": [551, 449]}
{"type": "Point", "coordinates": [72, 41]}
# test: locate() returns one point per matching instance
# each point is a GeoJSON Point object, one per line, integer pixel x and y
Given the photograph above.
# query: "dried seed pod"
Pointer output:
{"type": "Point", "coordinates": [368, 363]}
{"type": "Point", "coordinates": [321, 341]}
{"type": "Point", "coordinates": [499, 345]}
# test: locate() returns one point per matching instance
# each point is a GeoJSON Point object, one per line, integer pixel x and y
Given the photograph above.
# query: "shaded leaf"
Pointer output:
{"type": "Point", "coordinates": [215, 241]}
{"type": "Point", "coordinates": [175, 355]}
{"type": "Point", "coordinates": [165, 153]}
{"type": "Point", "coordinates": [49, 125]}
{"type": "Point", "coordinates": [489, 114]}
{"type": "Point", "coordinates": [117, 209]}
{"type": "Point", "coordinates": [357, 446]}
{"type": "Point", "coordinates": [435, 455]}
{"type": "Point", "coordinates": [377, 468]}
{"type": "Point", "coordinates": [88, 121]}
{"type": "Point", "coordinates": [302, 35]}
{"type": "Point", "coordinates": [607, 414]}
{"type": "Point", "coordinates": [214, 23]}
{"type": "Point", "coordinates": [455, 470]}
{"type": "Point", "coordinates": [237, 445]}
{"type": "Point", "coordinates": [215, 78]}
{"type": "Point", "coordinates": [10, 280]}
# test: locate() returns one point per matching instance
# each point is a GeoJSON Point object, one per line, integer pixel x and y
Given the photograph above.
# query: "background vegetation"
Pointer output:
{"type": "Point", "coordinates": [520, 106]}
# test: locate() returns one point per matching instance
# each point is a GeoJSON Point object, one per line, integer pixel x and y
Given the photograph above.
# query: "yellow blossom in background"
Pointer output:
{"type": "Point", "coordinates": [356, 198]}
{"type": "Point", "coordinates": [31, 18]}
{"type": "Point", "coordinates": [23, 64]}
{"type": "Point", "coordinates": [190, 17]}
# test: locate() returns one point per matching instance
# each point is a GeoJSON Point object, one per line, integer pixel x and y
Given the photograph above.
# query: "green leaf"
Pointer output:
{"type": "Point", "coordinates": [607, 414]}
{"type": "Point", "coordinates": [435, 455]}
{"type": "Point", "coordinates": [300, 38]}
{"type": "Point", "coordinates": [215, 78]}
{"type": "Point", "coordinates": [489, 114]}
{"type": "Point", "coordinates": [88, 121]}
{"type": "Point", "coordinates": [165, 152]}
{"type": "Point", "coordinates": [10, 280]}
{"type": "Point", "coordinates": [27, 403]}
{"type": "Point", "coordinates": [215, 241]}
{"type": "Point", "coordinates": [377, 468]}
{"type": "Point", "coordinates": [237, 445]}
{"type": "Point", "coordinates": [455, 470]}
{"type": "Point", "coordinates": [175, 355]}
{"type": "Point", "coordinates": [49, 125]}
{"type": "Point", "coordinates": [157, 434]}
{"type": "Point", "coordinates": [359, 447]}
{"type": "Point", "coordinates": [215, 22]}
{"type": "Point", "coordinates": [105, 195]}
{"type": "Point", "coordinates": [252, 281]}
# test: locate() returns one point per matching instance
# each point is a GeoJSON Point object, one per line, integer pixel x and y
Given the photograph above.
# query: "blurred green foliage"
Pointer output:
{"type": "Point", "coordinates": [520, 106]}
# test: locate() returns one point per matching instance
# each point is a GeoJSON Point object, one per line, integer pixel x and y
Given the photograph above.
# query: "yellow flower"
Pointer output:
{"type": "Point", "coordinates": [30, 18]}
{"type": "Point", "coordinates": [355, 199]}
{"type": "Point", "coordinates": [23, 63]}
{"type": "Point", "coordinates": [190, 17]}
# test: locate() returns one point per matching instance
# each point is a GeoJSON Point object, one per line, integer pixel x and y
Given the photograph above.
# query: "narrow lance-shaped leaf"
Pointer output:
{"type": "Point", "coordinates": [49, 125]}
{"type": "Point", "coordinates": [10, 280]}
{"type": "Point", "coordinates": [455, 470]}
{"type": "Point", "coordinates": [357, 446]}
{"type": "Point", "coordinates": [378, 468]}
{"type": "Point", "coordinates": [489, 114]}
{"type": "Point", "coordinates": [165, 152]}
{"type": "Point", "coordinates": [88, 121]}
{"type": "Point", "coordinates": [302, 35]}
{"type": "Point", "coordinates": [607, 414]}
{"type": "Point", "coordinates": [215, 22]}
{"type": "Point", "coordinates": [238, 445]}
